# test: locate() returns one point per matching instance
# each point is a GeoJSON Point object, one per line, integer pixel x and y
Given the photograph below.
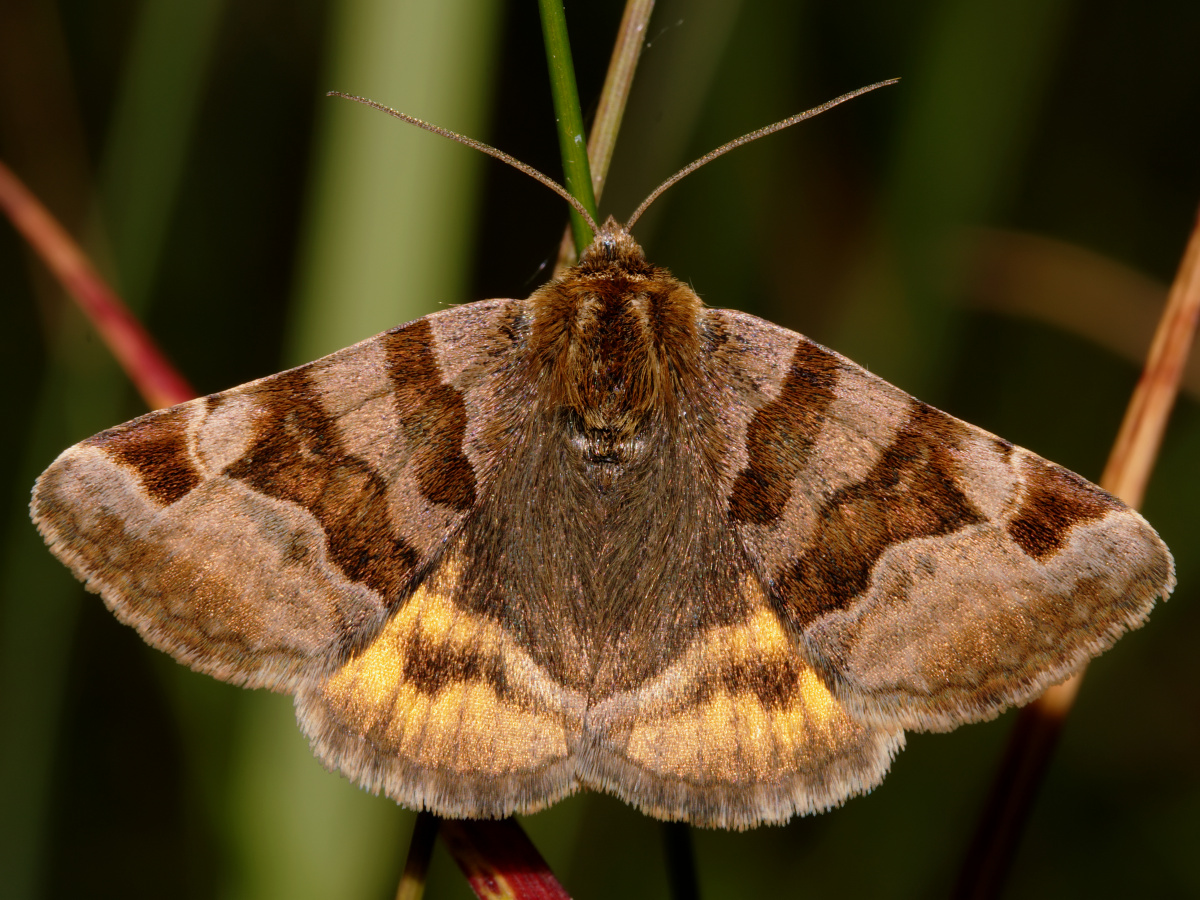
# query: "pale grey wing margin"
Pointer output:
{"type": "Point", "coordinates": [262, 534]}
{"type": "Point", "coordinates": [936, 573]}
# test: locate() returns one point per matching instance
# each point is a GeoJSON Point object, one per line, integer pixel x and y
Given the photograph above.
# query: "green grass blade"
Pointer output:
{"type": "Point", "coordinates": [572, 142]}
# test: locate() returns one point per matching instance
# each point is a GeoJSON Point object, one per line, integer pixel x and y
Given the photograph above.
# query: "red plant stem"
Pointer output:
{"type": "Point", "coordinates": [500, 861]}
{"type": "Point", "coordinates": [154, 377]}
{"type": "Point", "coordinates": [1130, 463]}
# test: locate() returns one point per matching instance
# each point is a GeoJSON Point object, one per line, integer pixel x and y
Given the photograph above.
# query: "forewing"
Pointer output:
{"type": "Point", "coordinates": [263, 534]}
{"type": "Point", "coordinates": [937, 573]}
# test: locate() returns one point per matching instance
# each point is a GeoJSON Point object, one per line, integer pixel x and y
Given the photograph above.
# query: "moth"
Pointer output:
{"type": "Point", "coordinates": [602, 537]}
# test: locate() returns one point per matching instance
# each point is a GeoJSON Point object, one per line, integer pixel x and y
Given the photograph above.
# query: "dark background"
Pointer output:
{"type": "Point", "coordinates": [994, 234]}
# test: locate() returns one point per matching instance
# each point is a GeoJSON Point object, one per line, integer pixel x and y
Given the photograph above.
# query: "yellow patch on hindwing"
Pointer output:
{"type": "Point", "coordinates": [445, 689]}
{"type": "Point", "coordinates": [741, 706]}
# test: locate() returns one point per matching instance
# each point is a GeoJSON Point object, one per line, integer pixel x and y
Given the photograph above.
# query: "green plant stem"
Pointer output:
{"type": "Point", "coordinates": [631, 37]}
{"type": "Point", "coordinates": [572, 143]}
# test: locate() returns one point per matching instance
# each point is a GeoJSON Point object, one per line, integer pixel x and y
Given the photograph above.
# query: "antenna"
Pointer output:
{"type": "Point", "coordinates": [483, 148]}
{"type": "Point", "coordinates": [747, 138]}
{"type": "Point", "coordinates": [657, 192]}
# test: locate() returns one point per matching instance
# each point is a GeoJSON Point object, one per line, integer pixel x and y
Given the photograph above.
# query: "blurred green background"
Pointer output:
{"type": "Point", "coordinates": [994, 234]}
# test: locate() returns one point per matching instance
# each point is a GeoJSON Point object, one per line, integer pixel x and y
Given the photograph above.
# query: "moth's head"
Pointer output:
{"type": "Point", "coordinates": [611, 245]}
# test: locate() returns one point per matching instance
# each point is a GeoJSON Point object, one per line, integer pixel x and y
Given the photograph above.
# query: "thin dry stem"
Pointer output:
{"type": "Point", "coordinates": [1136, 448]}
{"type": "Point", "coordinates": [159, 383]}
{"type": "Point", "coordinates": [1130, 463]}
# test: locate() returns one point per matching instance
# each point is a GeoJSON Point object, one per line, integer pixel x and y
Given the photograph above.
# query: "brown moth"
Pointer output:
{"type": "Point", "coordinates": [603, 537]}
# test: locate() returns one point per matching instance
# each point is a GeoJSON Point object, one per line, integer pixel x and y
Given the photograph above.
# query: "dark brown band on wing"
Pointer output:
{"type": "Point", "coordinates": [910, 493]}
{"type": "Point", "coordinates": [431, 668]}
{"type": "Point", "coordinates": [772, 681]}
{"type": "Point", "coordinates": [297, 455]}
{"type": "Point", "coordinates": [781, 435]}
{"type": "Point", "coordinates": [1054, 501]}
{"type": "Point", "coordinates": [155, 447]}
{"type": "Point", "coordinates": [434, 416]}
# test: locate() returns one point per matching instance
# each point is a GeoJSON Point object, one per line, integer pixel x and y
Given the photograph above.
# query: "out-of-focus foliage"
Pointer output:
{"type": "Point", "coordinates": [255, 223]}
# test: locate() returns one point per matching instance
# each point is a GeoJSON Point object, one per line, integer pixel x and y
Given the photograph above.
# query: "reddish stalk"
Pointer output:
{"type": "Point", "coordinates": [499, 860]}
{"type": "Point", "coordinates": [154, 377]}
{"type": "Point", "coordinates": [1126, 474]}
